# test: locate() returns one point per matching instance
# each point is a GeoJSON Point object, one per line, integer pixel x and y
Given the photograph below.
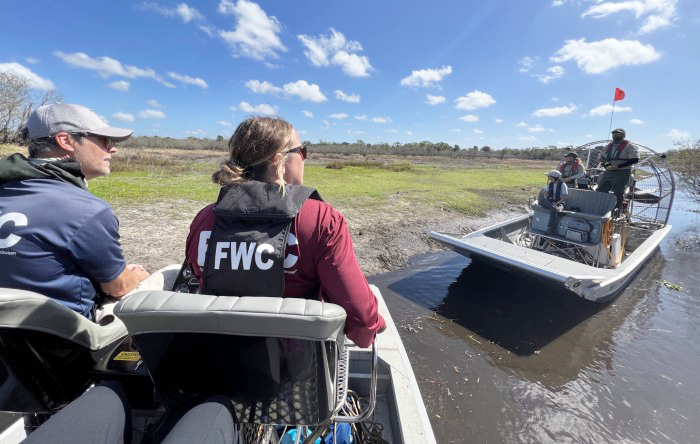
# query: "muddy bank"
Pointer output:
{"type": "Point", "coordinates": [154, 234]}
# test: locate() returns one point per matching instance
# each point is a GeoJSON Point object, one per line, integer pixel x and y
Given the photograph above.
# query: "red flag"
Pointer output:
{"type": "Point", "coordinates": [619, 94]}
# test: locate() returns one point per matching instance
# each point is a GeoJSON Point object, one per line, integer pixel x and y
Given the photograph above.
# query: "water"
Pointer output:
{"type": "Point", "coordinates": [501, 358]}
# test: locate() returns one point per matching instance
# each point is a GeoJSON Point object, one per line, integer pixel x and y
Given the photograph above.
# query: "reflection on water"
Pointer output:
{"type": "Point", "coordinates": [505, 358]}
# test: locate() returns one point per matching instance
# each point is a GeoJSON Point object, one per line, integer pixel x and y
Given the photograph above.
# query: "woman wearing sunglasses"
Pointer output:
{"type": "Point", "coordinates": [268, 235]}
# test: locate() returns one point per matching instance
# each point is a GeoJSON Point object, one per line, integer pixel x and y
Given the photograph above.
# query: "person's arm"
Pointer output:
{"type": "Point", "coordinates": [581, 172]}
{"type": "Point", "coordinates": [127, 280]}
{"type": "Point", "coordinates": [96, 249]}
{"type": "Point", "coordinates": [342, 281]}
{"type": "Point", "coordinates": [564, 192]}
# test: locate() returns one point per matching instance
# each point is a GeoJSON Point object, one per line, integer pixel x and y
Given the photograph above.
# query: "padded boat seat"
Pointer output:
{"type": "Point", "coordinates": [583, 217]}
{"type": "Point", "coordinates": [275, 358]}
{"type": "Point", "coordinates": [47, 351]}
{"type": "Point", "coordinates": [590, 203]}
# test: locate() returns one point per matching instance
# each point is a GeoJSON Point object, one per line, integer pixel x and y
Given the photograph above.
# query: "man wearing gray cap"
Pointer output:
{"type": "Point", "coordinates": [617, 158]}
{"type": "Point", "coordinates": [57, 238]}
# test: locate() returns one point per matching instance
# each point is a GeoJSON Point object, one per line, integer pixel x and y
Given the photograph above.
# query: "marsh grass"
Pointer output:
{"type": "Point", "coordinates": [389, 166]}
{"type": "Point", "coordinates": [141, 175]}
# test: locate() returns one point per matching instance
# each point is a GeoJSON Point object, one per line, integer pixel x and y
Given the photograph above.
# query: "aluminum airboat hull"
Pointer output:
{"type": "Point", "coordinates": [399, 406]}
{"type": "Point", "coordinates": [588, 282]}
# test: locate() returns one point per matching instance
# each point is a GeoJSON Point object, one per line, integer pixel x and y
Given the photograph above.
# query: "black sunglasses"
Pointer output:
{"type": "Point", "coordinates": [299, 149]}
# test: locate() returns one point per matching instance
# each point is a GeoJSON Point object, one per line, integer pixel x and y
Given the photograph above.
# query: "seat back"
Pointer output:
{"type": "Point", "coordinates": [46, 351]}
{"type": "Point", "coordinates": [590, 202]}
{"type": "Point", "coordinates": [275, 358]}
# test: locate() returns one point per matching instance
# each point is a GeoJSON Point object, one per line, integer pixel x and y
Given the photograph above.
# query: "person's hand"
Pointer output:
{"type": "Point", "coordinates": [139, 270]}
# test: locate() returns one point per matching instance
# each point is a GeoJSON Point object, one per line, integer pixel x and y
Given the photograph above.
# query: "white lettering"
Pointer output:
{"type": "Point", "coordinates": [243, 251]}
{"type": "Point", "coordinates": [20, 220]}
{"type": "Point", "coordinates": [263, 248]}
{"type": "Point", "coordinates": [220, 254]}
{"type": "Point", "coordinates": [291, 259]}
{"type": "Point", "coordinates": [202, 249]}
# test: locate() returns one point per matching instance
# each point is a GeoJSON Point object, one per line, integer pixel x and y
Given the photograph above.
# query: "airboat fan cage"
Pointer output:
{"type": "Point", "coordinates": [651, 193]}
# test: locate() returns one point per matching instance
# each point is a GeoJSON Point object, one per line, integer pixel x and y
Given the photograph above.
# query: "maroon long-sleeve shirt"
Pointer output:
{"type": "Point", "coordinates": [326, 267]}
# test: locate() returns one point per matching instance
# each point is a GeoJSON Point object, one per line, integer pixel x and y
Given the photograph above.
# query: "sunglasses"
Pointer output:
{"type": "Point", "coordinates": [299, 149]}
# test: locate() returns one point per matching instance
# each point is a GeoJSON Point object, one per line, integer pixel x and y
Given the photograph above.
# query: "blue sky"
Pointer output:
{"type": "Point", "coordinates": [506, 73]}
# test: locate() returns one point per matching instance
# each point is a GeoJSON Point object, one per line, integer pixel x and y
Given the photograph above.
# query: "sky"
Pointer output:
{"type": "Point", "coordinates": [502, 73]}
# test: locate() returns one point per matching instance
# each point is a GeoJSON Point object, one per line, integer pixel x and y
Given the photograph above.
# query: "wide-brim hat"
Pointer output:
{"type": "Point", "coordinates": [48, 120]}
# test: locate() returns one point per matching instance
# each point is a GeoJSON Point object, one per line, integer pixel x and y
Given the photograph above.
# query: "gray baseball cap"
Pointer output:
{"type": "Point", "coordinates": [48, 120]}
{"type": "Point", "coordinates": [554, 173]}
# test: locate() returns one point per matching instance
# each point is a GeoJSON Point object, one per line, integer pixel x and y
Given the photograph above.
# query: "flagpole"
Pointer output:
{"type": "Point", "coordinates": [611, 119]}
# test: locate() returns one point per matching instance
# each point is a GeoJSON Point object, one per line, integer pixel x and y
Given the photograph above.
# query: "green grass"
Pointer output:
{"type": "Point", "coordinates": [468, 190]}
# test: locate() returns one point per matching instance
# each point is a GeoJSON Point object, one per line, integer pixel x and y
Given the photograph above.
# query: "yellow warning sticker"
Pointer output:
{"type": "Point", "coordinates": [128, 356]}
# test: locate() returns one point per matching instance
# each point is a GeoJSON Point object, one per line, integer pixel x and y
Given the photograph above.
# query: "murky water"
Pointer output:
{"type": "Point", "coordinates": [502, 358]}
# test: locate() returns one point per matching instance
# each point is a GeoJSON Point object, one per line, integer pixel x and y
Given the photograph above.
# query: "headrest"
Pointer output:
{"type": "Point", "coordinates": [27, 310]}
{"type": "Point", "coordinates": [171, 312]}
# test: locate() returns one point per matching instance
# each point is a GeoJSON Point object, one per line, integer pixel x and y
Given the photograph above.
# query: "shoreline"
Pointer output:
{"type": "Point", "coordinates": [154, 234]}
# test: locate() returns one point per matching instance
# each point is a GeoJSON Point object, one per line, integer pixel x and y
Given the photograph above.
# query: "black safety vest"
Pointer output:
{"type": "Point", "coordinates": [555, 192]}
{"type": "Point", "coordinates": [246, 250]}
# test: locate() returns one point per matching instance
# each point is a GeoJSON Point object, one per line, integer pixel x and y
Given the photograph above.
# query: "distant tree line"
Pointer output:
{"type": "Point", "coordinates": [424, 148]}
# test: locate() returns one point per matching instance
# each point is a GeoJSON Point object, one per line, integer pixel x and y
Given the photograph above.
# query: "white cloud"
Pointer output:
{"type": "Point", "coordinates": [606, 109]}
{"type": "Point", "coordinates": [356, 132]}
{"type": "Point", "coordinates": [125, 117]}
{"type": "Point", "coordinates": [474, 100]}
{"type": "Point", "coordinates": [154, 103]}
{"type": "Point", "coordinates": [410, 133]}
{"type": "Point", "coordinates": [527, 138]}
{"type": "Point", "coordinates": [35, 81]}
{"type": "Point", "coordinates": [478, 131]}
{"type": "Point", "coordinates": [498, 120]}
{"type": "Point", "coordinates": [305, 91]}
{"type": "Point", "coordinates": [223, 123]}
{"type": "Point", "coordinates": [598, 57]}
{"type": "Point", "coordinates": [197, 132]}
{"type": "Point", "coordinates": [32, 60]}
{"type": "Point", "coordinates": [301, 132]}
{"type": "Point", "coordinates": [300, 88]}
{"type": "Point", "coordinates": [554, 72]}
{"type": "Point", "coordinates": [558, 2]}
{"type": "Point", "coordinates": [636, 122]}
{"type": "Point", "coordinates": [120, 85]}
{"type": "Point", "coordinates": [657, 13]}
{"type": "Point", "coordinates": [264, 87]}
{"type": "Point", "coordinates": [185, 12]}
{"type": "Point", "coordinates": [434, 100]}
{"type": "Point", "coordinates": [188, 13]}
{"type": "Point", "coordinates": [152, 114]}
{"type": "Point", "coordinates": [425, 78]}
{"type": "Point", "coordinates": [470, 118]}
{"type": "Point", "coordinates": [556, 111]}
{"type": "Point", "coordinates": [374, 119]}
{"type": "Point", "coordinates": [391, 131]}
{"type": "Point", "coordinates": [352, 98]}
{"type": "Point", "coordinates": [521, 125]}
{"type": "Point", "coordinates": [107, 67]}
{"type": "Point", "coordinates": [196, 81]}
{"type": "Point", "coordinates": [255, 35]}
{"type": "Point", "coordinates": [339, 116]}
{"type": "Point", "coordinates": [335, 49]}
{"type": "Point", "coordinates": [526, 64]}
{"type": "Point", "coordinates": [456, 130]}
{"type": "Point", "coordinates": [308, 114]}
{"type": "Point", "coordinates": [536, 129]}
{"type": "Point", "coordinates": [678, 134]}
{"type": "Point", "coordinates": [263, 108]}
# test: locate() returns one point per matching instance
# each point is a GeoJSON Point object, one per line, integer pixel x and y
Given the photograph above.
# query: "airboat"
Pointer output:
{"type": "Point", "coordinates": [596, 248]}
{"type": "Point", "coordinates": [285, 364]}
